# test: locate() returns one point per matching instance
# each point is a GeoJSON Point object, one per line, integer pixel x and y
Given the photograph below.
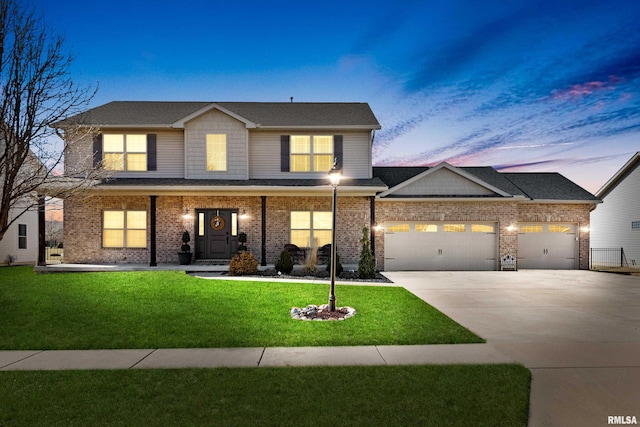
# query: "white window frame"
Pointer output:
{"type": "Point", "coordinates": [311, 153]}
{"type": "Point", "coordinates": [23, 237]}
{"type": "Point", "coordinates": [124, 229]}
{"type": "Point", "coordinates": [226, 152]}
{"type": "Point", "coordinates": [311, 228]}
{"type": "Point", "coordinates": [125, 152]}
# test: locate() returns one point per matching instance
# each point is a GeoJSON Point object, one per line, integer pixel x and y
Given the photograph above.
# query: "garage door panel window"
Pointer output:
{"type": "Point", "coordinates": [454, 228]}
{"type": "Point", "coordinates": [399, 228]}
{"type": "Point", "coordinates": [531, 229]}
{"type": "Point", "coordinates": [427, 228]}
{"type": "Point", "coordinates": [482, 228]}
{"type": "Point", "coordinates": [559, 229]}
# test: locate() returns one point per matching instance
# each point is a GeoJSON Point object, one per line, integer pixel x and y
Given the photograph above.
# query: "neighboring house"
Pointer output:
{"type": "Point", "coordinates": [218, 169]}
{"type": "Point", "coordinates": [20, 243]}
{"type": "Point", "coordinates": [616, 223]}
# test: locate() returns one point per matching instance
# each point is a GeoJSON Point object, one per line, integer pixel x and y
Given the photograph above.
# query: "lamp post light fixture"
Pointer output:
{"type": "Point", "coordinates": [335, 174]}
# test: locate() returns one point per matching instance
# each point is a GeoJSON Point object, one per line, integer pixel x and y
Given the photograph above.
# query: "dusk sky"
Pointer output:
{"type": "Point", "coordinates": [518, 85]}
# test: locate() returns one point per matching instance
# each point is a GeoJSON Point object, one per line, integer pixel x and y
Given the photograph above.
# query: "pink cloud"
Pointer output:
{"type": "Point", "coordinates": [585, 89]}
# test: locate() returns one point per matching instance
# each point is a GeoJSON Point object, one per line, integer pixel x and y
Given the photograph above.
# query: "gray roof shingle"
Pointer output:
{"type": "Point", "coordinates": [266, 114]}
{"type": "Point", "coordinates": [534, 185]}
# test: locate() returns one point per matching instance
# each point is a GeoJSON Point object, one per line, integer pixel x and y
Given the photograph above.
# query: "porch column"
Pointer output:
{"type": "Point", "coordinates": [263, 254]}
{"type": "Point", "coordinates": [41, 232]}
{"type": "Point", "coordinates": [372, 224]}
{"type": "Point", "coordinates": [152, 228]}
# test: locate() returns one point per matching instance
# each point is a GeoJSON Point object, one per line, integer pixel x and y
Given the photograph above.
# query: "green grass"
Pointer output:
{"type": "Point", "coordinates": [363, 396]}
{"type": "Point", "coordinates": [167, 309]}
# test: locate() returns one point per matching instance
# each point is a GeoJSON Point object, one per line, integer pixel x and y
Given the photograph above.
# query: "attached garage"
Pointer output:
{"type": "Point", "coordinates": [548, 246]}
{"type": "Point", "coordinates": [440, 246]}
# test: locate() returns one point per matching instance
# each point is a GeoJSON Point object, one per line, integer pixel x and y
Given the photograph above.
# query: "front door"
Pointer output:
{"type": "Point", "coordinates": [216, 233]}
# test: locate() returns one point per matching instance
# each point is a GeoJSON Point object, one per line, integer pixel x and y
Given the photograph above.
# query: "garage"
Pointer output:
{"type": "Point", "coordinates": [440, 246]}
{"type": "Point", "coordinates": [548, 246]}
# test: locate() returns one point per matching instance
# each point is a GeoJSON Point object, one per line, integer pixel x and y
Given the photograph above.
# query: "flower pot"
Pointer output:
{"type": "Point", "coordinates": [184, 258]}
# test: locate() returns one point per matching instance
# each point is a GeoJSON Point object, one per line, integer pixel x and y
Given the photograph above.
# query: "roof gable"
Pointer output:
{"type": "Point", "coordinates": [444, 180]}
{"type": "Point", "coordinates": [620, 176]}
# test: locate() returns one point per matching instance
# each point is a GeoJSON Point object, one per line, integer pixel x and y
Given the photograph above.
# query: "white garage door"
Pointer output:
{"type": "Point", "coordinates": [547, 246]}
{"type": "Point", "coordinates": [440, 246]}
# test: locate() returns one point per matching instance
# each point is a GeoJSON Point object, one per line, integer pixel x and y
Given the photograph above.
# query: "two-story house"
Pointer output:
{"type": "Point", "coordinates": [218, 169]}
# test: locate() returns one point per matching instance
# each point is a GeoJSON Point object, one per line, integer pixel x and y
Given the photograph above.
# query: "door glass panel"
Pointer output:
{"type": "Point", "coordinates": [234, 223]}
{"type": "Point", "coordinates": [201, 224]}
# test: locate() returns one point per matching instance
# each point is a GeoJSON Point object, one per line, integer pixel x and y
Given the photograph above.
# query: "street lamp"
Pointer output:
{"type": "Point", "coordinates": [334, 176]}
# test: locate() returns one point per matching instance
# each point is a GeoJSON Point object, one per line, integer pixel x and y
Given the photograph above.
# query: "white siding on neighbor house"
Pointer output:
{"type": "Point", "coordinates": [611, 220]}
{"type": "Point", "coordinates": [215, 122]}
{"type": "Point", "coordinates": [443, 182]}
{"type": "Point", "coordinates": [264, 154]}
{"type": "Point", "coordinates": [9, 243]}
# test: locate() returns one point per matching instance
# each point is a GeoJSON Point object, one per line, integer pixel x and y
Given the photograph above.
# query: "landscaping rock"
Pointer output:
{"type": "Point", "coordinates": [314, 312]}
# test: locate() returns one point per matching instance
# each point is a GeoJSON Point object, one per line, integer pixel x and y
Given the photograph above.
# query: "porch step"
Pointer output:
{"type": "Point", "coordinates": [212, 261]}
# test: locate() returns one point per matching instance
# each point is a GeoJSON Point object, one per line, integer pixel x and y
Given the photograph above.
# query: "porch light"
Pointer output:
{"type": "Point", "coordinates": [378, 227]}
{"type": "Point", "coordinates": [186, 214]}
{"type": "Point", "coordinates": [244, 214]}
{"type": "Point", "coordinates": [334, 176]}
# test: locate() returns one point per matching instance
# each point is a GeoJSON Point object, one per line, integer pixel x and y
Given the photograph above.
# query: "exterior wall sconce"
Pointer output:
{"type": "Point", "coordinates": [512, 227]}
{"type": "Point", "coordinates": [244, 215]}
{"type": "Point", "coordinates": [186, 215]}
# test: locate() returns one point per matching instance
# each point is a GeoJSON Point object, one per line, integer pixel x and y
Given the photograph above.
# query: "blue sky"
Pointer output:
{"type": "Point", "coordinates": [518, 85]}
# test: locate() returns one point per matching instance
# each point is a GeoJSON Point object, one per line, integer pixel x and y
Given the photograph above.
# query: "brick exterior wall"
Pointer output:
{"type": "Point", "coordinates": [506, 214]}
{"type": "Point", "coordinates": [83, 225]}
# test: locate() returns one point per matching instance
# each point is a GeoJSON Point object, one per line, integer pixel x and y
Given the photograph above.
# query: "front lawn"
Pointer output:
{"type": "Point", "coordinates": [496, 395]}
{"type": "Point", "coordinates": [167, 309]}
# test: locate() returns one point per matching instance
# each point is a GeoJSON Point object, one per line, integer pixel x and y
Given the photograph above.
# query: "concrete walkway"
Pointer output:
{"type": "Point", "coordinates": [254, 357]}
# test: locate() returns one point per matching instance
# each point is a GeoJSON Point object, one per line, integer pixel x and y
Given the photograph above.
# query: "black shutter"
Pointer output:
{"type": "Point", "coordinates": [97, 150]}
{"type": "Point", "coordinates": [151, 152]}
{"type": "Point", "coordinates": [284, 153]}
{"type": "Point", "coordinates": [337, 149]}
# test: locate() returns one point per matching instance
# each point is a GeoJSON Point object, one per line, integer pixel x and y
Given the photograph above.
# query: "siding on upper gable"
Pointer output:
{"type": "Point", "coordinates": [611, 220]}
{"type": "Point", "coordinates": [169, 155]}
{"type": "Point", "coordinates": [264, 154]}
{"type": "Point", "coordinates": [443, 182]}
{"type": "Point", "coordinates": [215, 122]}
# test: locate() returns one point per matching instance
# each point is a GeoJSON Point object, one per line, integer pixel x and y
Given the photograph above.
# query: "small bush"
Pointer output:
{"type": "Point", "coordinates": [243, 264]}
{"type": "Point", "coordinates": [366, 264]}
{"type": "Point", "coordinates": [284, 263]}
{"type": "Point", "coordinates": [339, 268]}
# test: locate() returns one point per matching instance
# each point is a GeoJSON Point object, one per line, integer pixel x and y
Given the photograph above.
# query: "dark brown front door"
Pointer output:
{"type": "Point", "coordinates": [216, 233]}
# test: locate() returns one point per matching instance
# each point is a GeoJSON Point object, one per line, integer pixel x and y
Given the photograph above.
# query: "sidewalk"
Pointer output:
{"type": "Point", "coordinates": [253, 357]}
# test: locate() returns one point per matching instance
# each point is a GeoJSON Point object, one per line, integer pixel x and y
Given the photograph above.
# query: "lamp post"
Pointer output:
{"type": "Point", "coordinates": [334, 176]}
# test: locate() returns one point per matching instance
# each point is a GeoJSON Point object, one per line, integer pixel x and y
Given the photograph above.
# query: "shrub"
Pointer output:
{"type": "Point", "coordinates": [312, 261]}
{"type": "Point", "coordinates": [339, 268]}
{"type": "Point", "coordinates": [242, 264]}
{"type": "Point", "coordinates": [185, 242]}
{"type": "Point", "coordinates": [284, 263]}
{"type": "Point", "coordinates": [366, 264]}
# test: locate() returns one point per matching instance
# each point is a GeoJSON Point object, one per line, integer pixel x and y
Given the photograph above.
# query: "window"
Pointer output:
{"type": "Point", "coordinates": [124, 229]}
{"type": "Point", "coordinates": [635, 225]}
{"type": "Point", "coordinates": [216, 152]}
{"type": "Point", "coordinates": [427, 228]}
{"type": "Point", "coordinates": [559, 229]}
{"type": "Point", "coordinates": [125, 152]}
{"type": "Point", "coordinates": [311, 153]}
{"type": "Point", "coordinates": [531, 229]}
{"type": "Point", "coordinates": [310, 228]}
{"type": "Point", "coordinates": [22, 236]}
{"type": "Point", "coordinates": [399, 228]}
{"type": "Point", "coordinates": [481, 228]}
{"type": "Point", "coordinates": [454, 228]}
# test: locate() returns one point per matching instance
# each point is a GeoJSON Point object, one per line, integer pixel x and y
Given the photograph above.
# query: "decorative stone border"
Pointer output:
{"type": "Point", "coordinates": [315, 312]}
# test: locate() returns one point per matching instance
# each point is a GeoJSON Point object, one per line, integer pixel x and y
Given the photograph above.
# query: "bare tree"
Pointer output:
{"type": "Point", "coordinates": [36, 91]}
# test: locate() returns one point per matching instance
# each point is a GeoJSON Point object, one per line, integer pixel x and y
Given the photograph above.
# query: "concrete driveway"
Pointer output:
{"type": "Point", "coordinates": [577, 331]}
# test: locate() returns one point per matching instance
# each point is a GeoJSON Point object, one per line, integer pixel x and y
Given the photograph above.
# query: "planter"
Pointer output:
{"type": "Point", "coordinates": [184, 258]}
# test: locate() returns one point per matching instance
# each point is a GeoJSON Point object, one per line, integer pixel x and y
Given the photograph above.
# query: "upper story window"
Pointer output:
{"type": "Point", "coordinates": [216, 152]}
{"type": "Point", "coordinates": [125, 152]}
{"type": "Point", "coordinates": [311, 153]}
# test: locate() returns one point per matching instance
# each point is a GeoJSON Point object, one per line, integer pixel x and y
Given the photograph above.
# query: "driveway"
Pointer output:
{"type": "Point", "coordinates": [577, 331]}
